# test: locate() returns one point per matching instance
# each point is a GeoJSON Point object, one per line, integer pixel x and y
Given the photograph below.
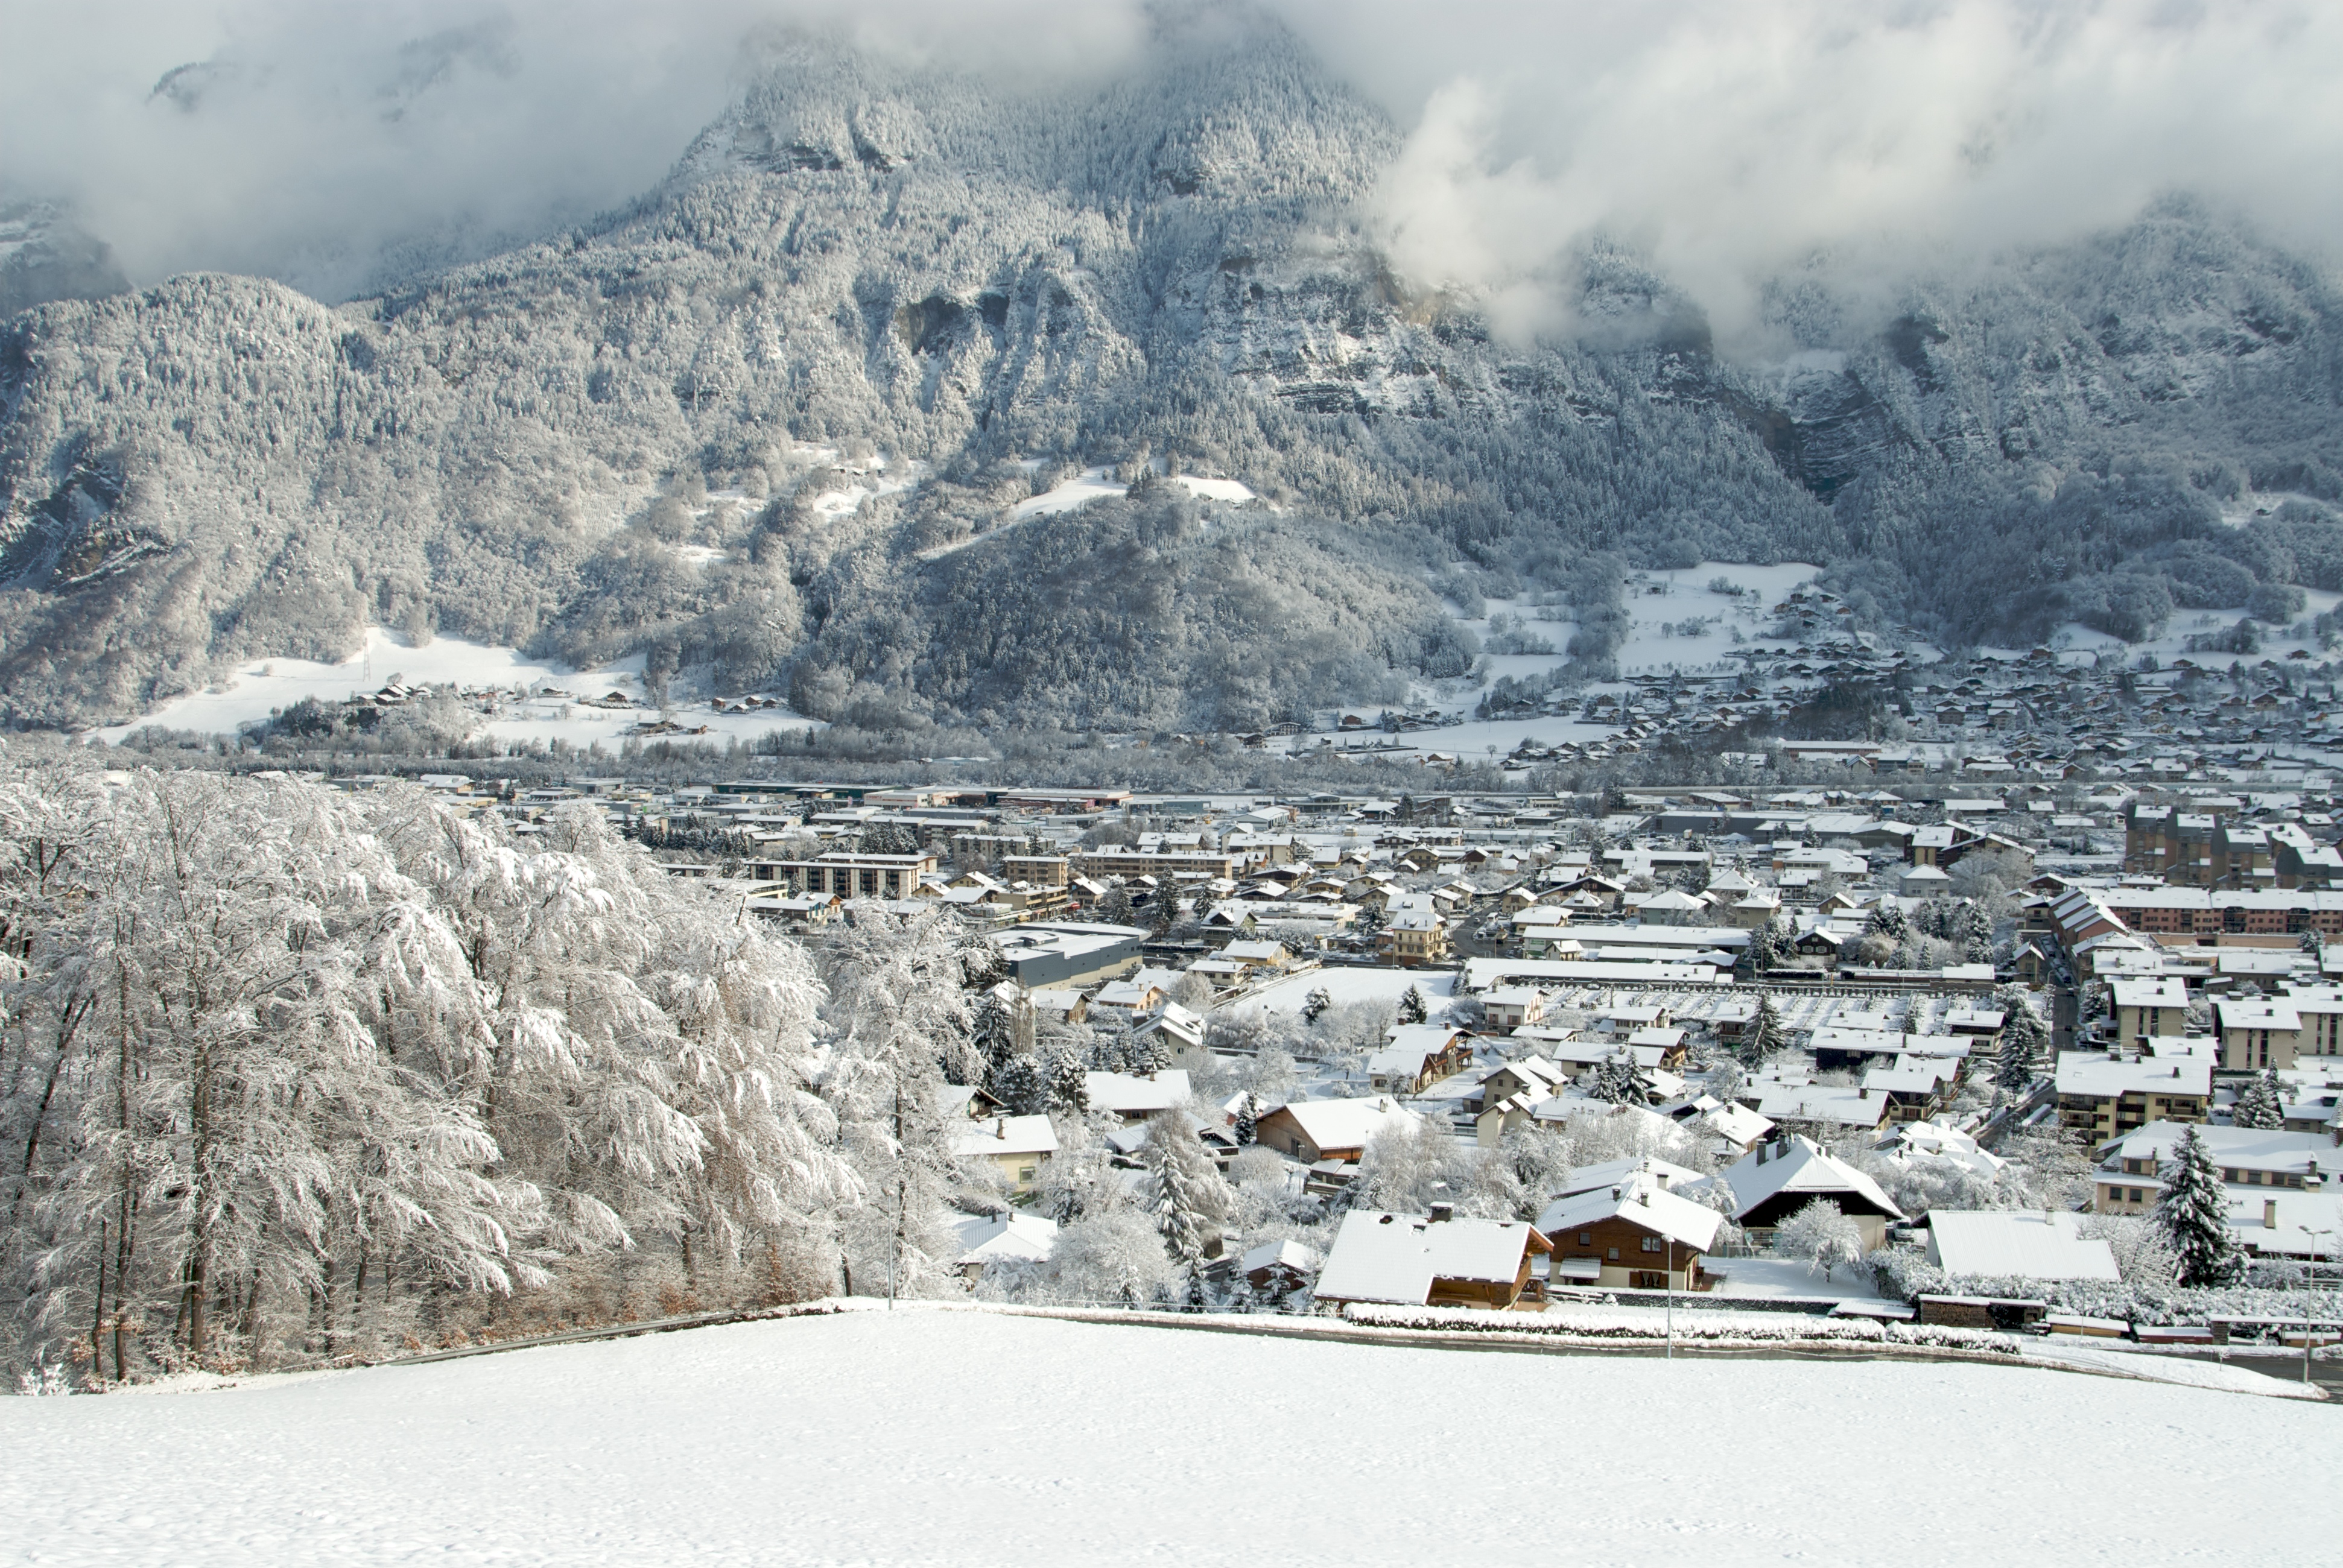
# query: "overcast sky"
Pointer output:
{"type": "Point", "coordinates": [1727, 138]}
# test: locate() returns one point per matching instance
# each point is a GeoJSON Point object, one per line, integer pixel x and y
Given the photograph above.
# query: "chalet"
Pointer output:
{"type": "Point", "coordinates": [986, 1240]}
{"type": "Point", "coordinates": [1016, 1147]}
{"type": "Point", "coordinates": [1433, 1259]}
{"type": "Point", "coordinates": [1777, 1179]}
{"type": "Point", "coordinates": [1312, 1131]}
{"type": "Point", "coordinates": [1178, 1027]}
{"type": "Point", "coordinates": [1134, 1096]}
{"type": "Point", "coordinates": [2015, 1245]}
{"type": "Point", "coordinates": [1418, 1055]}
{"type": "Point", "coordinates": [1632, 1233]}
{"type": "Point", "coordinates": [1277, 1268]}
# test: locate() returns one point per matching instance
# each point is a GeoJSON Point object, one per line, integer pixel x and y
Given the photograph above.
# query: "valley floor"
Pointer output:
{"type": "Point", "coordinates": [964, 1437]}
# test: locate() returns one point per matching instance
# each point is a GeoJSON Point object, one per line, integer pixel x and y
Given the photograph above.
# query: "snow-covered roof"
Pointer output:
{"type": "Point", "coordinates": [1002, 1238]}
{"type": "Point", "coordinates": [1640, 1201]}
{"type": "Point", "coordinates": [2151, 991]}
{"type": "Point", "coordinates": [1611, 1172]}
{"type": "Point", "coordinates": [2240, 1148]}
{"type": "Point", "coordinates": [999, 1135]}
{"type": "Point", "coordinates": [1847, 1106]}
{"type": "Point", "coordinates": [1379, 1256]}
{"type": "Point", "coordinates": [1128, 1094]}
{"type": "Point", "coordinates": [2105, 1077]}
{"type": "Point", "coordinates": [2015, 1243]}
{"type": "Point", "coordinates": [1794, 1168]}
{"type": "Point", "coordinates": [1291, 1255]}
{"type": "Point", "coordinates": [1348, 1123]}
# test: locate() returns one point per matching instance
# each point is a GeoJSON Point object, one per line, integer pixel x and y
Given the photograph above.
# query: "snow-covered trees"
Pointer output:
{"type": "Point", "coordinates": [1315, 1003]}
{"type": "Point", "coordinates": [2023, 1040]}
{"type": "Point", "coordinates": [1620, 1080]}
{"type": "Point", "coordinates": [1412, 1005]}
{"type": "Point", "coordinates": [2194, 1216]}
{"type": "Point", "coordinates": [1762, 1035]}
{"type": "Point", "coordinates": [899, 1020]}
{"type": "Point", "coordinates": [284, 1070]}
{"type": "Point", "coordinates": [2260, 1102]}
{"type": "Point", "coordinates": [1183, 1191]}
{"type": "Point", "coordinates": [1821, 1237]}
{"type": "Point", "coordinates": [1113, 1259]}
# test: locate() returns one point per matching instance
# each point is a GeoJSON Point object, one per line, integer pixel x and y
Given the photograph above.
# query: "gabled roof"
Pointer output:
{"type": "Point", "coordinates": [1347, 1123]}
{"type": "Point", "coordinates": [999, 1135]}
{"type": "Point", "coordinates": [1794, 1168]}
{"type": "Point", "coordinates": [1639, 1200]}
{"type": "Point", "coordinates": [1127, 1094]}
{"type": "Point", "coordinates": [1003, 1237]}
{"type": "Point", "coordinates": [2015, 1243]}
{"type": "Point", "coordinates": [1379, 1256]}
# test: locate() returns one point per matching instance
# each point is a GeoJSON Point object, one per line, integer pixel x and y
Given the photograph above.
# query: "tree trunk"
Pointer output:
{"type": "Point", "coordinates": [97, 1313]}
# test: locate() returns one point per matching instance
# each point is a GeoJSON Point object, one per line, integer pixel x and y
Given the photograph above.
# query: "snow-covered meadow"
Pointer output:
{"type": "Point", "coordinates": [927, 1436]}
{"type": "Point", "coordinates": [264, 686]}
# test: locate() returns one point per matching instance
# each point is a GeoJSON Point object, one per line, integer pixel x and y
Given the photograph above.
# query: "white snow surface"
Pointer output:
{"type": "Point", "coordinates": [266, 685]}
{"type": "Point", "coordinates": [966, 1437]}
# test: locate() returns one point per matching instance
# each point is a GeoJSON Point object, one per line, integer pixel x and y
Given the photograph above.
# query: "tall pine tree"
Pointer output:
{"type": "Point", "coordinates": [2194, 1217]}
{"type": "Point", "coordinates": [1182, 1187]}
{"type": "Point", "coordinates": [1762, 1035]}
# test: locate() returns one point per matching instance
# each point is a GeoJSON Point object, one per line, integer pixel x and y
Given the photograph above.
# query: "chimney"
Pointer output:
{"type": "Point", "coordinates": [2269, 1213]}
{"type": "Point", "coordinates": [1443, 1212]}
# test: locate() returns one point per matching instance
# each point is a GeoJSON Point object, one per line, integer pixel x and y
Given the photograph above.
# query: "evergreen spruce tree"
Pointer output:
{"type": "Point", "coordinates": [2021, 1046]}
{"type": "Point", "coordinates": [1975, 934]}
{"type": "Point", "coordinates": [2194, 1218]}
{"type": "Point", "coordinates": [1620, 1082]}
{"type": "Point", "coordinates": [2260, 1104]}
{"type": "Point", "coordinates": [1180, 1187]}
{"type": "Point", "coordinates": [1762, 1035]}
{"type": "Point", "coordinates": [1070, 1093]}
{"type": "Point", "coordinates": [994, 1035]}
{"type": "Point", "coordinates": [1018, 1083]}
{"type": "Point", "coordinates": [1315, 1005]}
{"type": "Point", "coordinates": [1115, 907]}
{"type": "Point", "coordinates": [1248, 1123]}
{"type": "Point", "coordinates": [1411, 1007]}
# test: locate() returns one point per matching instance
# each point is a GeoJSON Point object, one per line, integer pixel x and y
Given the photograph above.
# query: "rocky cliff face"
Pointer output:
{"type": "Point", "coordinates": [741, 424]}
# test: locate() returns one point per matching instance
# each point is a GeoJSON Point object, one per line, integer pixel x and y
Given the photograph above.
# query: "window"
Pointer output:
{"type": "Point", "coordinates": [1614, 1255]}
{"type": "Point", "coordinates": [1586, 1238]}
{"type": "Point", "coordinates": [1651, 1243]}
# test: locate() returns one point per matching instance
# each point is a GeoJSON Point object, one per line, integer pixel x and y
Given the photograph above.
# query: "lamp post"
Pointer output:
{"type": "Point", "coordinates": [2313, 1292]}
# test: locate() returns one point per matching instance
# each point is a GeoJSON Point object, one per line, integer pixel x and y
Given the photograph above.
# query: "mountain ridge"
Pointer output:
{"type": "Point", "coordinates": [1006, 284]}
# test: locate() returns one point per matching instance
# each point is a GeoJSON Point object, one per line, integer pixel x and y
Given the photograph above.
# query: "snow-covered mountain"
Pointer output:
{"type": "Point", "coordinates": [738, 426]}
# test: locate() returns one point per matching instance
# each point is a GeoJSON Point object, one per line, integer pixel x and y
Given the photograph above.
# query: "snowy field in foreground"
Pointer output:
{"type": "Point", "coordinates": [931, 1437]}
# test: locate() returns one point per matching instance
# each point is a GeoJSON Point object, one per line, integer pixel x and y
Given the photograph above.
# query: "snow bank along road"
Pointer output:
{"type": "Point", "coordinates": [928, 1437]}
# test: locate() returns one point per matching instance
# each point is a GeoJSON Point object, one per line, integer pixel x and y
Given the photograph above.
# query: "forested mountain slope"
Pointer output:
{"type": "Point", "coordinates": [658, 434]}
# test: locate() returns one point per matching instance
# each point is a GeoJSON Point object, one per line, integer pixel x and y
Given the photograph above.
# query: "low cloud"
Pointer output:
{"type": "Point", "coordinates": [1730, 143]}
{"type": "Point", "coordinates": [321, 143]}
{"type": "Point", "coordinates": [1727, 142]}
